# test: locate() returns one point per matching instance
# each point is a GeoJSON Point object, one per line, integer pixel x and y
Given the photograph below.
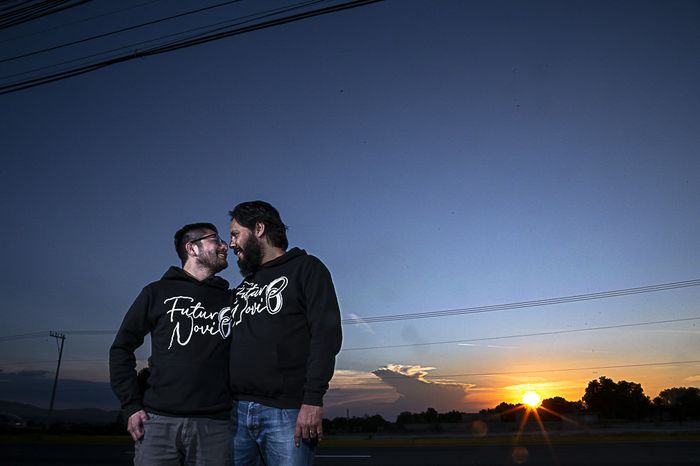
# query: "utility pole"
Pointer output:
{"type": "Point", "coordinates": [62, 337]}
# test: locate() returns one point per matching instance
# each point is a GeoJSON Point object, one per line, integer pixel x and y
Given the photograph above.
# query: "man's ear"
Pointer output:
{"type": "Point", "coordinates": [192, 249]}
{"type": "Point", "coordinates": [259, 230]}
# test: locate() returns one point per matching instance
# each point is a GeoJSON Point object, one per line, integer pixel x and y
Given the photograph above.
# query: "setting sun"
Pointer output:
{"type": "Point", "coordinates": [532, 399]}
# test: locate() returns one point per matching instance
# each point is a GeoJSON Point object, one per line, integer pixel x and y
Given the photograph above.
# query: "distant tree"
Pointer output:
{"type": "Point", "coordinates": [558, 406]}
{"type": "Point", "coordinates": [450, 417]}
{"type": "Point", "coordinates": [681, 402]}
{"type": "Point", "coordinates": [507, 411]}
{"type": "Point", "coordinates": [503, 407]}
{"type": "Point", "coordinates": [431, 416]}
{"type": "Point", "coordinates": [621, 400]}
{"type": "Point", "coordinates": [374, 423]}
{"type": "Point", "coordinates": [365, 424]}
{"type": "Point", "coordinates": [405, 417]}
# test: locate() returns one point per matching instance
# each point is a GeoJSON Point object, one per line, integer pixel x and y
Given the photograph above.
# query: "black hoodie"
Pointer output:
{"type": "Point", "coordinates": [286, 332]}
{"type": "Point", "coordinates": [189, 323]}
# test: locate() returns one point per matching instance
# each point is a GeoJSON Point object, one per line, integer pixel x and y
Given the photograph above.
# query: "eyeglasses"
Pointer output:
{"type": "Point", "coordinates": [211, 235]}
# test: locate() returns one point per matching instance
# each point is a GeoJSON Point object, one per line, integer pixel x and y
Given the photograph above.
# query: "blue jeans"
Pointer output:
{"type": "Point", "coordinates": [175, 441]}
{"type": "Point", "coordinates": [263, 435]}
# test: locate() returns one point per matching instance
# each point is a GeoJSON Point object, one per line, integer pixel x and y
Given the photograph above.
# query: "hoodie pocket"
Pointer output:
{"type": "Point", "coordinates": [254, 370]}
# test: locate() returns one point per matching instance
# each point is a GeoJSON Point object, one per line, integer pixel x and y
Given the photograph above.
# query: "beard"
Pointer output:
{"type": "Point", "coordinates": [213, 262]}
{"type": "Point", "coordinates": [252, 256]}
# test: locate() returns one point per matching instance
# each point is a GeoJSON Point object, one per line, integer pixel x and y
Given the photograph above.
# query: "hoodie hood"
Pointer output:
{"type": "Point", "coordinates": [286, 257]}
{"type": "Point", "coordinates": [178, 274]}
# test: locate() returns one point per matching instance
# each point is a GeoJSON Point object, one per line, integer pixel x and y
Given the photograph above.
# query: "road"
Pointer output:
{"type": "Point", "coordinates": [656, 453]}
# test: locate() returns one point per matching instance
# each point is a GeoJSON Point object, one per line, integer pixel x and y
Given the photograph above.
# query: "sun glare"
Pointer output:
{"type": "Point", "coordinates": [532, 399]}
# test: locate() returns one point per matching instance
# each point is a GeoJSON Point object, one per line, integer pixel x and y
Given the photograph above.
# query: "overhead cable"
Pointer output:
{"type": "Point", "coordinates": [83, 20]}
{"type": "Point", "coordinates": [398, 375]}
{"type": "Point", "coordinates": [569, 369]}
{"type": "Point", "coordinates": [161, 39]}
{"type": "Point", "coordinates": [524, 304]}
{"type": "Point", "coordinates": [37, 10]}
{"type": "Point", "coordinates": [118, 31]}
{"type": "Point", "coordinates": [471, 310]}
{"type": "Point", "coordinates": [523, 335]}
{"type": "Point", "coordinates": [33, 82]}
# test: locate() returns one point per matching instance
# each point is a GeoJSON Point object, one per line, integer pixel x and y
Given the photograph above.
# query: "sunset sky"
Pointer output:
{"type": "Point", "coordinates": [436, 155]}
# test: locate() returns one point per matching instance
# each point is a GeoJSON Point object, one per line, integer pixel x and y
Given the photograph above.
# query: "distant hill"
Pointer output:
{"type": "Point", "coordinates": [36, 414]}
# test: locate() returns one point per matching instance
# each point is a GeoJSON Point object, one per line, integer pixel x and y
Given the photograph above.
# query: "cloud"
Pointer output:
{"type": "Point", "coordinates": [692, 378]}
{"type": "Point", "coordinates": [416, 393]}
{"type": "Point", "coordinates": [361, 324]}
{"type": "Point", "coordinates": [356, 388]}
{"type": "Point", "coordinates": [396, 388]}
{"type": "Point", "coordinates": [392, 389]}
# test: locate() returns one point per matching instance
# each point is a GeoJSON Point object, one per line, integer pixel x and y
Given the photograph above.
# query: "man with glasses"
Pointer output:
{"type": "Point", "coordinates": [182, 415]}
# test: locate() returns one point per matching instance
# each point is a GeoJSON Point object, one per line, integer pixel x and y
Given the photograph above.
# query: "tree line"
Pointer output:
{"type": "Point", "coordinates": [603, 397]}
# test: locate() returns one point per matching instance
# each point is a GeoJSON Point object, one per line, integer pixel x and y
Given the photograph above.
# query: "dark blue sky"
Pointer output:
{"type": "Point", "coordinates": [435, 154]}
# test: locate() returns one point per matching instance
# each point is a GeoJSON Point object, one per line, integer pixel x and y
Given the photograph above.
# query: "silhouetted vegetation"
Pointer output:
{"type": "Point", "coordinates": [621, 400]}
{"type": "Point", "coordinates": [680, 403]}
{"type": "Point", "coordinates": [355, 425]}
{"type": "Point", "coordinates": [429, 416]}
{"type": "Point", "coordinates": [558, 408]}
{"type": "Point", "coordinates": [603, 398]}
{"type": "Point", "coordinates": [507, 412]}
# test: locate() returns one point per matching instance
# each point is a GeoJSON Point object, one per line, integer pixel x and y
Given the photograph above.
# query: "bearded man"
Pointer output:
{"type": "Point", "coordinates": [285, 336]}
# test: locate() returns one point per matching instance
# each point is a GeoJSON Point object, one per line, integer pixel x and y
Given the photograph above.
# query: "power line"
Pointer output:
{"type": "Point", "coordinates": [570, 369]}
{"type": "Point", "coordinates": [29, 83]}
{"type": "Point", "coordinates": [90, 332]}
{"type": "Point", "coordinates": [73, 23]}
{"type": "Point", "coordinates": [35, 11]}
{"type": "Point", "coordinates": [471, 340]}
{"type": "Point", "coordinates": [25, 336]}
{"type": "Point", "coordinates": [407, 345]}
{"type": "Point", "coordinates": [540, 371]}
{"type": "Point", "coordinates": [10, 7]}
{"type": "Point", "coordinates": [471, 310]}
{"type": "Point", "coordinates": [524, 335]}
{"type": "Point", "coordinates": [134, 46]}
{"type": "Point", "coordinates": [51, 361]}
{"type": "Point", "coordinates": [535, 303]}
{"type": "Point", "coordinates": [118, 31]}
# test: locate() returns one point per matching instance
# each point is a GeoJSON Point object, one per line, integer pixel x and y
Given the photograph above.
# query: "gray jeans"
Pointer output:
{"type": "Point", "coordinates": [177, 441]}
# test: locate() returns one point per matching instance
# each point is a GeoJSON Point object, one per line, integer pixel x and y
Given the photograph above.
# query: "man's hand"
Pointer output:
{"type": "Point", "coordinates": [309, 424]}
{"type": "Point", "coordinates": [135, 424]}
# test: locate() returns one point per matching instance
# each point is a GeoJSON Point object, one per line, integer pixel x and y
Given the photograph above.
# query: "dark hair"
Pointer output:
{"type": "Point", "coordinates": [186, 234]}
{"type": "Point", "coordinates": [249, 213]}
